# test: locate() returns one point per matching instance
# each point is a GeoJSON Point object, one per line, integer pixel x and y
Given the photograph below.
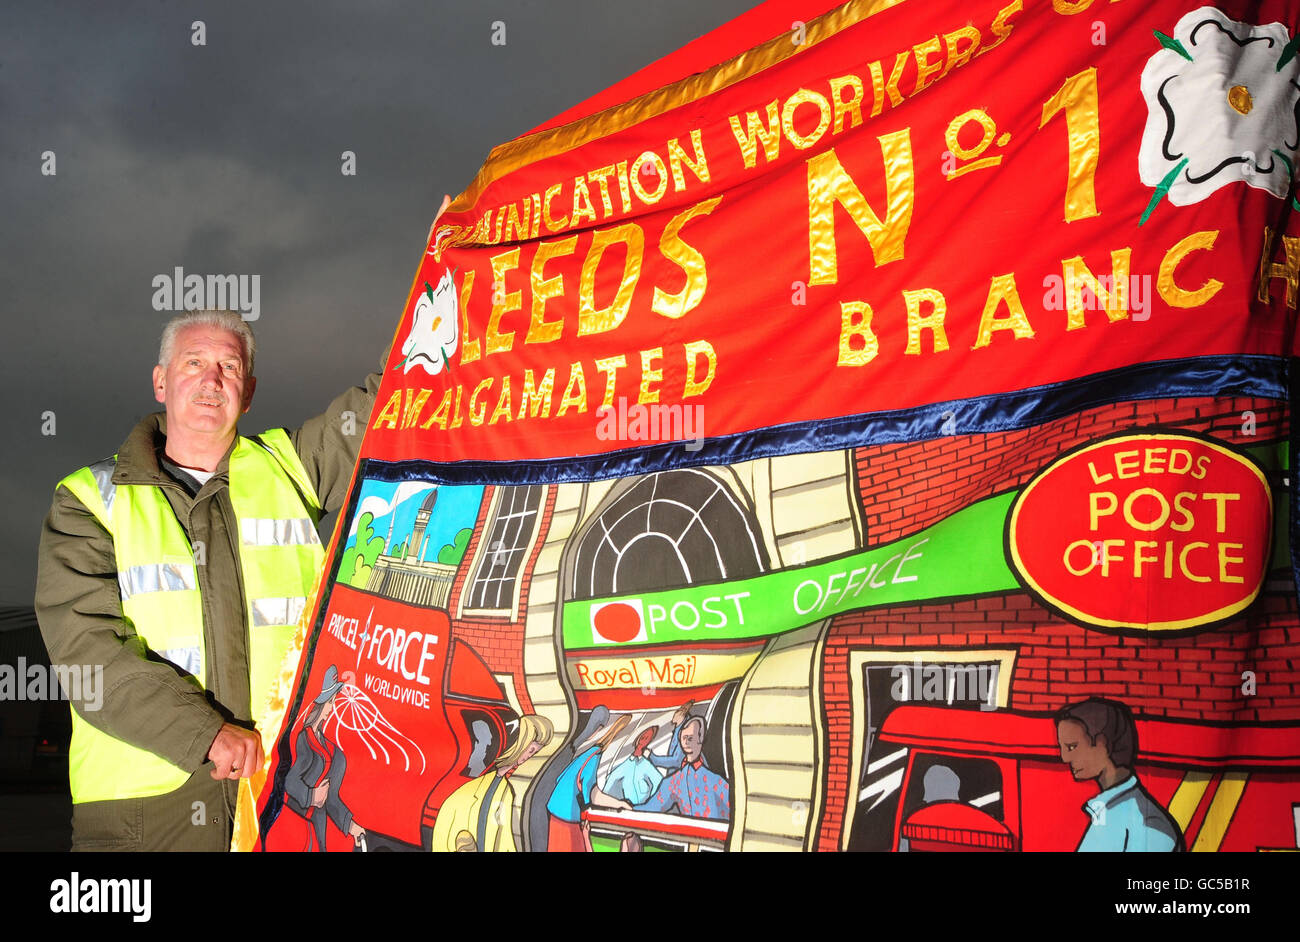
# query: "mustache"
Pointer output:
{"type": "Point", "coordinates": [212, 395]}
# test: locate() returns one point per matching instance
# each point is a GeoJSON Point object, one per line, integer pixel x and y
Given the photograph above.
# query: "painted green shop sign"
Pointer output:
{"type": "Point", "coordinates": [960, 555]}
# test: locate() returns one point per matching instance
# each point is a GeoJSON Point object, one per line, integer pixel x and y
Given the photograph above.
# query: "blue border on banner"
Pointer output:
{"type": "Point", "coordinates": [1264, 377]}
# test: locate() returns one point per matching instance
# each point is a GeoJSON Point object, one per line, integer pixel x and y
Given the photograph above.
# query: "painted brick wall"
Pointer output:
{"type": "Point", "coordinates": [908, 487]}
{"type": "Point", "coordinates": [1193, 677]}
{"type": "Point", "coordinates": [499, 641]}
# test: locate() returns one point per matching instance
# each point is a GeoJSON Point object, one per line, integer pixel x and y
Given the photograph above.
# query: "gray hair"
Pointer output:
{"type": "Point", "coordinates": [695, 718]}
{"type": "Point", "coordinates": [222, 320]}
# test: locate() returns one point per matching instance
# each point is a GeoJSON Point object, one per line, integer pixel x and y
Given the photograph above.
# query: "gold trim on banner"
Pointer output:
{"type": "Point", "coordinates": [278, 698]}
{"type": "Point", "coordinates": [508, 157]}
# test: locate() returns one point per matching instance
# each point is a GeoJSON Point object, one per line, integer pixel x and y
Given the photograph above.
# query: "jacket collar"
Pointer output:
{"type": "Point", "coordinates": [137, 459]}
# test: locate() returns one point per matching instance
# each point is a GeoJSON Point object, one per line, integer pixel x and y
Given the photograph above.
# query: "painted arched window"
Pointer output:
{"type": "Point", "coordinates": [670, 529]}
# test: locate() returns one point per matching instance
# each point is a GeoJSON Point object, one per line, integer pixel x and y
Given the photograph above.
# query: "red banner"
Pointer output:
{"type": "Point", "coordinates": [877, 440]}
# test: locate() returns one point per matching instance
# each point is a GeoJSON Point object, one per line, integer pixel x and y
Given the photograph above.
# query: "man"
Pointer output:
{"type": "Point", "coordinates": [181, 566]}
{"type": "Point", "coordinates": [672, 760]}
{"type": "Point", "coordinates": [694, 790]}
{"type": "Point", "coordinates": [1098, 740]}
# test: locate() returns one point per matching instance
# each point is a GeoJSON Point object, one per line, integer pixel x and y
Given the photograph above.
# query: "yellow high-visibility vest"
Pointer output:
{"type": "Point", "coordinates": [280, 557]}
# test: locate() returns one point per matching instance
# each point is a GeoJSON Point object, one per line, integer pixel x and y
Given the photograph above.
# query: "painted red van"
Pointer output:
{"type": "Point", "coordinates": [1230, 788]}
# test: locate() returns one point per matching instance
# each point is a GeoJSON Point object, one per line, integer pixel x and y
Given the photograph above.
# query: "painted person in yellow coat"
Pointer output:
{"type": "Point", "coordinates": [482, 809]}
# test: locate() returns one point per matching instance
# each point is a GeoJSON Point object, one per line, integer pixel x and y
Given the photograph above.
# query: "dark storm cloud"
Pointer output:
{"type": "Point", "coordinates": [226, 158]}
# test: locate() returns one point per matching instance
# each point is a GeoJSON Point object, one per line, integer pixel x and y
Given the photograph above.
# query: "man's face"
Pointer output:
{"type": "Point", "coordinates": [1086, 761]}
{"type": "Point", "coordinates": [204, 387]}
{"type": "Point", "coordinates": [692, 743]}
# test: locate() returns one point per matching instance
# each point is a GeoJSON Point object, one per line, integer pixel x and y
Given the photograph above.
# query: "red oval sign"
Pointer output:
{"type": "Point", "coordinates": [1158, 532]}
{"type": "Point", "coordinates": [618, 621]}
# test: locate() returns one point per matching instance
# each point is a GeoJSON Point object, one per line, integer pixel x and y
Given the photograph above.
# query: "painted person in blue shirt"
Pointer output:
{"type": "Point", "coordinates": [635, 778]}
{"type": "Point", "coordinates": [576, 788]}
{"type": "Point", "coordinates": [1098, 740]}
{"type": "Point", "coordinates": [694, 790]}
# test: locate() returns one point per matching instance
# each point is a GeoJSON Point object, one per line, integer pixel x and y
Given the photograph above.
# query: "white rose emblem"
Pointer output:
{"type": "Point", "coordinates": [435, 328]}
{"type": "Point", "coordinates": [1223, 104]}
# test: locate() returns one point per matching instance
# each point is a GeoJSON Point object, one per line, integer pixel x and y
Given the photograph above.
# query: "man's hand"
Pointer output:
{"type": "Point", "coordinates": [236, 752]}
{"type": "Point", "coordinates": [320, 793]}
{"type": "Point", "coordinates": [446, 201]}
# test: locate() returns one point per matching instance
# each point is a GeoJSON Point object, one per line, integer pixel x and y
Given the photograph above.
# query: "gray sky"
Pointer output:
{"type": "Point", "coordinates": [226, 158]}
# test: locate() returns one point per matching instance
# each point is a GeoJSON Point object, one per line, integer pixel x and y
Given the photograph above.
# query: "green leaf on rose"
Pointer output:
{"type": "Point", "coordinates": [1162, 188]}
{"type": "Point", "coordinates": [1288, 52]}
{"type": "Point", "coordinates": [1170, 43]}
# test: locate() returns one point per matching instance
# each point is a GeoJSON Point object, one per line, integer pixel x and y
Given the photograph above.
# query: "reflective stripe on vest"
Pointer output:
{"type": "Point", "coordinates": [155, 577]}
{"type": "Point", "coordinates": [280, 559]}
{"type": "Point", "coordinates": [272, 532]}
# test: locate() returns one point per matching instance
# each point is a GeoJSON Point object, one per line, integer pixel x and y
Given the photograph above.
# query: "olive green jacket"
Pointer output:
{"type": "Point", "coordinates": [146, 702]}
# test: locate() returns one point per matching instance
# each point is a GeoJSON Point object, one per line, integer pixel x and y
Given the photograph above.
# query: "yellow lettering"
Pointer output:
{"type": "Point", "coordinates": [1289, 271]}
{"type": "Point", "coordinates": [553, 224]}
{"type": "Point", "coordinates": [477, 409]}
{"type": "Point", "coordinates": [601, 177]}
{"type": "Point", "coordinates": [754, 132]}
{"type": "Point", "coordinates": [688, 258]}
{"type": "Point", "coordinates": [1001, 28]}
{"type": "Point", "coordinates": [534, 399]}
{"type": "Point", "coordinates": [541, 330]}
{"type": "Point", "coordinates": [594, 320]}
{"type": "Point", "coordinates": [850, 107]}
{"type": "Point", "coordinates": [440, 414]}
{"type": "Point", "coordinates": [661, 175]}
{"type": "Point", "coordinates": [649, 375]}
{"type": "Point", "coordinates": [388, 415]}
{"type": "Point", "coordinates": [517, 227]}
{"type": "Point", "coordinates": [575, 390]}
{"type": "Point", "coordinates": [503, 303]}
{"type": "Point", "coordinates": [1224, 559]}
{"type": "Point", "coordinates": [610, 367]}
{"type": "Point", "coordinates": [582, 210]}
{"type": "Point", "coordinates": [926, 69]}
{"type": "Point", "coordinates": [414, 403]}
{"type": "Point", "coordinates": [677, 156]}
{"type": "Point", "coordinates": [805, 97]}
{"type": "Point", "coordinates": [1221, 509]}
{"type": "Point", "coordinates": [694, 350]}
{"type": "Point", "coordinates": [855, 322]}
{"type": "Point", "coordinates": [932, 322]}
{"type": "Point", "coordinates": [957, 58]}
{"type": "Point", "coordinates": [505, 404]}
{"type": "Point", "coordinates": [1169, 289]}
{"type": "Point", "coordinates": [829, 184]}
{"type": "Point", "coordinates": [469, 348]}
{"type": "Point", "coordinates": [1113, 299]}
{"type": "Point", "coordinates": [1002, 290]}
